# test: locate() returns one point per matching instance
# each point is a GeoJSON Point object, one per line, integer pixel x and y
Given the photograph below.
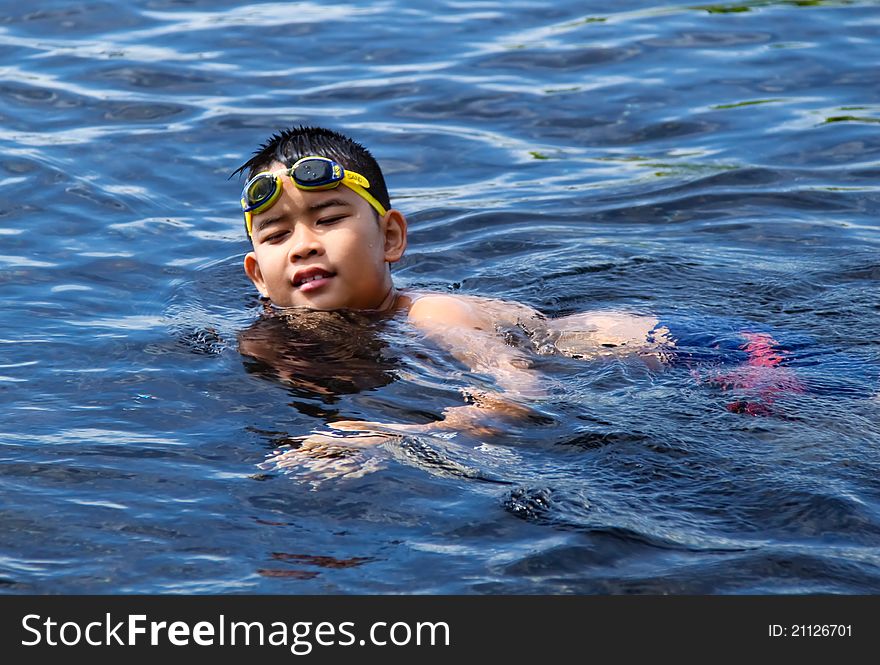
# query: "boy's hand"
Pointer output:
{"type": "Point", "coordinates": [321, 456]}
{"type": "Point", "coordinates": [374, 432]}
{"type": "Point", "coordinates": [489, 415]}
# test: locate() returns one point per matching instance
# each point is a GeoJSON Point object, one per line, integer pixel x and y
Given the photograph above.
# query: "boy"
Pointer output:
{"type": "Point", "coordinates": [324, 236]}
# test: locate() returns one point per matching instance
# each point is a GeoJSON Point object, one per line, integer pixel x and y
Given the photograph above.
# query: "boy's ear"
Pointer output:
{"type": "Point", "coordinates": [395, 235]}
{"type": "Point", "coordinates": [252, 268]}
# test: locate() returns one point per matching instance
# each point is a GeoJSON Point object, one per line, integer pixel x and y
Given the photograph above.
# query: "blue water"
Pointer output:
{"type": "Point", "coordinates": [715, 161]}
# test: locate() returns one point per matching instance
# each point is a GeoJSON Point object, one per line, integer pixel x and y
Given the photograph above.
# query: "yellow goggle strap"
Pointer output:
{"type": "Point", "coordinates": [248, 219]}
{"type": "Point", "coordinates": [364, 194]}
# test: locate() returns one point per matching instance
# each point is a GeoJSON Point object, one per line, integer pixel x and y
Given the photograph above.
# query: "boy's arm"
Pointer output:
{"type": "Point", "coordinates": [468, 333]}
{"type": "Point", "coordinates": [466, 329]}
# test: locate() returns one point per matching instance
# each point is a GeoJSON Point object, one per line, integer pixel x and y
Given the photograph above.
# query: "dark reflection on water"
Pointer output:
{"type": "Point", "coordinates": [319, 354]}
{"type": "Point", "coordinates": [705, 162]}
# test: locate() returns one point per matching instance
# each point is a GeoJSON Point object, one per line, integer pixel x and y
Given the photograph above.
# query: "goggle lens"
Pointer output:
{"type": "Point", "coordinates": [259, 190]}
{"type": "Point", "coordinates": [316, 172]}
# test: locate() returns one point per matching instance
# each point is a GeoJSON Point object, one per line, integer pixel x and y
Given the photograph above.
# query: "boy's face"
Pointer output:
{"type": "Point", "coordinates": [324, 249]}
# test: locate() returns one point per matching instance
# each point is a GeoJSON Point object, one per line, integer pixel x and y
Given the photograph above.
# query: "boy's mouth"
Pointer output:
{"type": "Point", "coordinates": [310, 279]}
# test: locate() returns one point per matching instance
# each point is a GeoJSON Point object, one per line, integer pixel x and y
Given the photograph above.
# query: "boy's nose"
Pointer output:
{"type": "Point", "coordinates": [305, 244]}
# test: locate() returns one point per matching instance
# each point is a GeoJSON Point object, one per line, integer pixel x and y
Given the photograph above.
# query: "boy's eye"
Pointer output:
{"type": "Point", "coordinates": [331, 220]}
{"type": "Point", "coordinates": [275, 237]}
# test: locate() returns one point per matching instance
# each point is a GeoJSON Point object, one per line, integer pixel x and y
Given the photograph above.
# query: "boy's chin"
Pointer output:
{"type": "Point", "coordinates": [313, 304]}
{"type": "Point", "coordinates": [313, 307]}
{"type": "Point", "coordinates": [326, 301]}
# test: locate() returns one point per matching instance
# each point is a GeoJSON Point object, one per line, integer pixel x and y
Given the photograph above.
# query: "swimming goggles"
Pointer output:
{"type": "Point", "coordinates": [309, 174]}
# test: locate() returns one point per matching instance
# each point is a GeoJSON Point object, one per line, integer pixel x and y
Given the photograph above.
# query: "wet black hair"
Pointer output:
{"type": "Point", "coordinates": [289, 145]}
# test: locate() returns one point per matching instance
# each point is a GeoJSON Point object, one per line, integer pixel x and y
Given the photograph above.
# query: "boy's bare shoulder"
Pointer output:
{"type": "Point", "coordinates": [466, 311]}
{"type": "Point", "coordinates": [441, 308]}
